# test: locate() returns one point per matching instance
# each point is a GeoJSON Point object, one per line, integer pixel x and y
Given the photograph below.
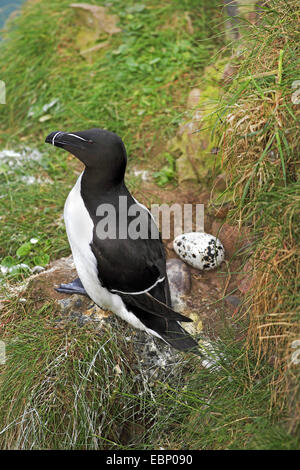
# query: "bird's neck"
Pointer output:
{"type": "Point", "coordinates": [96, 188]}
{"type": "Point", "coordinates": [102, 181]}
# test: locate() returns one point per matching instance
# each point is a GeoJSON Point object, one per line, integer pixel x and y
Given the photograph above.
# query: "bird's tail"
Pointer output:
{"type": "Point", "coordinates": [162, 319]}
{"type": "Point", "coordinates": [180, 339]}
{"type": "Point", "coordinates": [167, 328]}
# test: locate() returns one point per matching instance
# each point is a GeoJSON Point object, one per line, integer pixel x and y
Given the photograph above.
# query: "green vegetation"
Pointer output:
{"type": "Point", "coordinates": [66, 392]}
{"type": "Point", "coordinates": [129, 88]}
{"type": "Point", "coordinates": [260, 144]}
{"type": "Point", "coordinates": [76, 389]}
{"type": "Point", "coordinates": [167, 173]}
{"type": "Point", "coordinates": [70, 387]}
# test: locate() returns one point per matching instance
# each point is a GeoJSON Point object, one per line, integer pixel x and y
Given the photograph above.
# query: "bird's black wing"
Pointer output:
{"type": "Point", "coordinates": [141, 279]}
{"type": "Point", "coordinates": [135, 269]}
{"type": "Point", "coordinates": [135, 262]}
{"type": "Point", "coordinates": [151, 305]}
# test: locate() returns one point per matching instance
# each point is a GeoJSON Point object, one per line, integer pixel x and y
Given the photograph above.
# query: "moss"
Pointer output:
{"type": "Point", "coordinates": [194, 141]}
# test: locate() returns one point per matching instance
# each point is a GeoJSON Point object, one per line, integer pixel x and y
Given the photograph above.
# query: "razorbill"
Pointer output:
{"type": "Point", "coordinates": [122, 273]}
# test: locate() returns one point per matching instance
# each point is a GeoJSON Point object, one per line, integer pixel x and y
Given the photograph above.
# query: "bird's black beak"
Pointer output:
{"type": "Point", "coordinates": [53, 138]}
{"type": "Point", "coordinates": [67, 140]}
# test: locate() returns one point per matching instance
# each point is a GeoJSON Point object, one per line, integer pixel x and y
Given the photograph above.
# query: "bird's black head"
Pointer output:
{"type": "Point", "coordinates": [102, 152]}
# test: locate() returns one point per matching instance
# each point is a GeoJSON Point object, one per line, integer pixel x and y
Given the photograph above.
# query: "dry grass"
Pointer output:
{"type": "Point", "coordinates": [260, 140]}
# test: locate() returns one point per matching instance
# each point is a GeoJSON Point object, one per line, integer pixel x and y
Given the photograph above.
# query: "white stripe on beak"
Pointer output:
{"type": "Point", "coordinates": [81, 138]}
{"type": "Point", "coordinates": [53, 140]}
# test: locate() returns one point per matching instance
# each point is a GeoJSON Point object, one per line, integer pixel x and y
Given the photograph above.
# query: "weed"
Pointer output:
{"type": "Point", "coordinates": [167, 173]}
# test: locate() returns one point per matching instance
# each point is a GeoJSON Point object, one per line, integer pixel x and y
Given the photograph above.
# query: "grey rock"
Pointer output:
{"type": "Point", "coordinates": [179, 280]}
{"type": "Point", "coordinates": [38, 269]}
{"type": "Point", "coordinates": [233, 301]}
{"type": "Point", "coordinates": [179, 276]}
{"type": "Point", "coordinates": [158, 361]}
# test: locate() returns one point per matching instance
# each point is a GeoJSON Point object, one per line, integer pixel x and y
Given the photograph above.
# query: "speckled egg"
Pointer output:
{"type": "Point", "coordinates": [200, 250]}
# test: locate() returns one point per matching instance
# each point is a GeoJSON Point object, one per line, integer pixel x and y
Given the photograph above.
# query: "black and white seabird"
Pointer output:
{"type": "Point", "coordinates": [122, 274]}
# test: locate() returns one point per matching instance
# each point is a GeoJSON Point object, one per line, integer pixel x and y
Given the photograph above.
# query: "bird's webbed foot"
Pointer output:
{"type": "Point", "coordinates": [74, 287]}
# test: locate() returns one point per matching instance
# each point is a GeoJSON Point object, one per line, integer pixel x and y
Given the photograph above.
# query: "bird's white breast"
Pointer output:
{"type": "Point", "coordinates": [79, 227]}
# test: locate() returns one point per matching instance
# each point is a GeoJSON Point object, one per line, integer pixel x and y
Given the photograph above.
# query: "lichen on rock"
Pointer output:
{"type": "Point", "coordinates": [194, 143]}
{"type": "Point", "coordinates": [94, 24]}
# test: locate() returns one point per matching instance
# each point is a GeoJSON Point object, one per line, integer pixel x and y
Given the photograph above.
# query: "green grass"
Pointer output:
{"type": "Point", "coordinates": [167, 173]}
{"type": "Point", "coordinates": [35, 210]}
{"type": "Point", "coordinates": [225, 409]}
{"type": "Point", "coordinates": [261, 158]}
{"type": "Point", "coordinates": [67, 393]}
{"type": "Point", "coordinates": [130, 88]}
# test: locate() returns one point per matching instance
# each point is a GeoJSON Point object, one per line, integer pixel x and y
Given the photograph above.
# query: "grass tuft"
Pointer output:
{"type": "Point", "coordinates": [260, 142]}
